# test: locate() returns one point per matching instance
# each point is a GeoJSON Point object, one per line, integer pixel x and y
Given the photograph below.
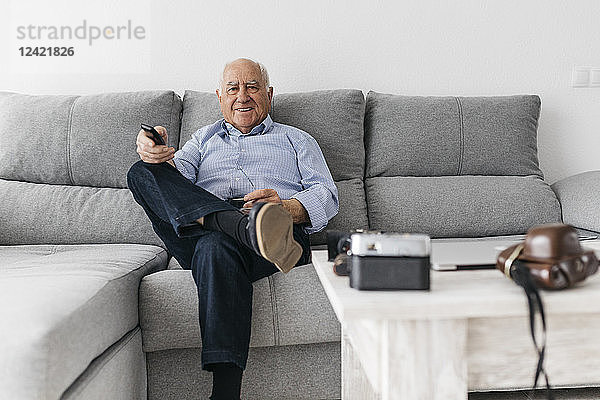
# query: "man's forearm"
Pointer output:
{"type": "Point", "coordinates": [294, 207]}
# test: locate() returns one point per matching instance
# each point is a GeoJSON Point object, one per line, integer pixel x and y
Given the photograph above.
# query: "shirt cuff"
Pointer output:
{"type": "Point", "coordinates": [316, 212]}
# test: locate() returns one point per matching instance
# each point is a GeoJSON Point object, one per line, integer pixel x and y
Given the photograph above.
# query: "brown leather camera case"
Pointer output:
{"type": "Point", "coordinates": [554, 256]}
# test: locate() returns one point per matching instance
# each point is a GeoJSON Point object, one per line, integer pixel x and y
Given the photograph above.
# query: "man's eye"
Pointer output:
{"type": "Point", "coordinates": [232, 90]}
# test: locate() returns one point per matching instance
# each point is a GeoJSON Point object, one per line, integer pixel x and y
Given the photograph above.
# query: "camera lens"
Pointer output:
{"type": "Point", "coordinates": [343, 245]}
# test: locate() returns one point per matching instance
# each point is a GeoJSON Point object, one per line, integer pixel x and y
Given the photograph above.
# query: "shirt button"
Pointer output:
{"type": "Point", "coordinates": [243, 149]}
{"type": "Point", "coordinates": [237, 179]}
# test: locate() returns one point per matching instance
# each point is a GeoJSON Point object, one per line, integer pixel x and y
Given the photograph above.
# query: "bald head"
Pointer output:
{"type": "Point", "coordinates": [244, 94]}
{"type": "Point", "coordinates": [240, 62]}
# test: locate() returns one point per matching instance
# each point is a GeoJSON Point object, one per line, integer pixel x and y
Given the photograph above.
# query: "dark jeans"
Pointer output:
{"type": "Point", "coordinates": [223, 269]}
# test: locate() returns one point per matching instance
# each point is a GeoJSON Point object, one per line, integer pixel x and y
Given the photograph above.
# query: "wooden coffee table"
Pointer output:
{"type": "Point", "coordinates": [469, 332]}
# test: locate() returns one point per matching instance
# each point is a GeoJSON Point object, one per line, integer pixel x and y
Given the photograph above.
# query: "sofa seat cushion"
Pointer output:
{"type": "Point", "coordinates": [61, 307]}
{"type": "Point", "coordinates": [287, 309]}
{"type": "Point", "coordinates": [461, 206]}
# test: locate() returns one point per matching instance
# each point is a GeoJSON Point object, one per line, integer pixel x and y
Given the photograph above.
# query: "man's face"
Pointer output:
{"type": "Point", "coordinates": [244, 98]}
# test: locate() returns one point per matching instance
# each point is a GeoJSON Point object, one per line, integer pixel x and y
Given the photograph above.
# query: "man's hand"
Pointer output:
{"type": "Point", "coordinates": [293, 206]}
{"type": "Point", "coordinates": [151, 152]}
{"type": "Point", "coordinates": [261, 195]}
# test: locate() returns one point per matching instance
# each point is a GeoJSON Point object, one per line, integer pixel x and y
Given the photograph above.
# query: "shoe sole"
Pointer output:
{"type": "Point", "coordinates": [275, 237]}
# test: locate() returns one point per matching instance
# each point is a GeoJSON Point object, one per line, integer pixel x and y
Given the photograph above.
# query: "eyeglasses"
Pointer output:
{"type": "Point", "coordinates": [251, 87]}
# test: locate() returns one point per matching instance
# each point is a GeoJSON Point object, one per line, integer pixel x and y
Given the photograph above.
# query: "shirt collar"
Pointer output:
{"type": "Point", "coordinates": [259, 129]}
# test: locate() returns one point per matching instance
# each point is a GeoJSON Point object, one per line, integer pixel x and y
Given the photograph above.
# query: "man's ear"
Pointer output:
{"type": "Point", "coordinates": [270, 94]}
{"type": "Point", "coordinates": [218, 95]}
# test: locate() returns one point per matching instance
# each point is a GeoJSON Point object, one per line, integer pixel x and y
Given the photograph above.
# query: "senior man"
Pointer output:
{"type": "Point", "coordinates": [282, 176]}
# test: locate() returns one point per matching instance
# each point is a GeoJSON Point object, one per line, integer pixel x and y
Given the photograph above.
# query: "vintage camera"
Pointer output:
{"type": "Point", "coordinates": [377, 260]}
{"type": "Point", "coordinates": [338, 242]}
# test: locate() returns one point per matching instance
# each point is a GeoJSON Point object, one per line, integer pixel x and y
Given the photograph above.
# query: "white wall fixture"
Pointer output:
{"type": "Point", "coordinates": [581, 77]}
{"type": "Point", "coordinates": [585, 77]}
{"type": "Point", "coordinates": [595, 77]}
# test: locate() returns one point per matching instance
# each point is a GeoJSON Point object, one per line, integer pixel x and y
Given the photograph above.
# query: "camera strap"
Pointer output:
{"type": "Point", "coordinates": [521, 276]}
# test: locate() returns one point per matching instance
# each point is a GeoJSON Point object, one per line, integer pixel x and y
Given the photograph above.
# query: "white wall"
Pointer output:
{"type": "Point", "coordinates": [427, 47]}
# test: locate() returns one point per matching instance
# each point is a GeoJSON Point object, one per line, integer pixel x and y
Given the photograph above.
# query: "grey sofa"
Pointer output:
{"type": "Point", "coordinates": [93, 307]}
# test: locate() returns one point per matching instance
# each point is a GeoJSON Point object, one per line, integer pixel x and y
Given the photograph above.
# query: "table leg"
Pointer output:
{"type": "Point", "coordinates": [355, 384]}
{"type": "Point", "coordinates": [392, 359]}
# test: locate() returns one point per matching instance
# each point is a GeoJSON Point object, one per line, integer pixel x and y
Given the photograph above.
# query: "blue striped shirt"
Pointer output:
{"type": "Point", "coordinates": [229, 164]}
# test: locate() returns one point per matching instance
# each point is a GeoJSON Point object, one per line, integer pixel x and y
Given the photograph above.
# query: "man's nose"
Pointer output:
{"type": "Point", "coordinates": [243, 95]}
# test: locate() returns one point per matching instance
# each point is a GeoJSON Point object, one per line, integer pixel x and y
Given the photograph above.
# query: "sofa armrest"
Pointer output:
{"type": "Point", "coordinates": [579, 197]}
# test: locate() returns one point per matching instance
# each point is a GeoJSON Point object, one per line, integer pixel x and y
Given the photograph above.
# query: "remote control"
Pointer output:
{"type": "Point", "coordinates": [155, 135]}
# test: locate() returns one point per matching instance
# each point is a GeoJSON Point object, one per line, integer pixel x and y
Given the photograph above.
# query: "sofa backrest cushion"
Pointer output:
{"type": "Point", "coordinates": [455, 166]}
{"type": "Point", "coordinates": [79, 140]}
{"type": "Point", "coordinates": [199, 109]}
{"type": "Point", "coordinates": [333, 117]}
{"type": "Point", "coordinates": [437, 136]}
{"type": "Point", "coordinates": [37, 213]}
{"type": "Point", "coordinates": [72, 154]}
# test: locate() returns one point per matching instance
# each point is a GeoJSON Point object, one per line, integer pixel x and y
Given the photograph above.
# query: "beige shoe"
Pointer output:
{"type": "Point", "coordinates": [271, 231]}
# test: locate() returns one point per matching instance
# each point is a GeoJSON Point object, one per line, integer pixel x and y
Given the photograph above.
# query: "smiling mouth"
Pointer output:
{"type": "Point", "coordinates": [244, 109]}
